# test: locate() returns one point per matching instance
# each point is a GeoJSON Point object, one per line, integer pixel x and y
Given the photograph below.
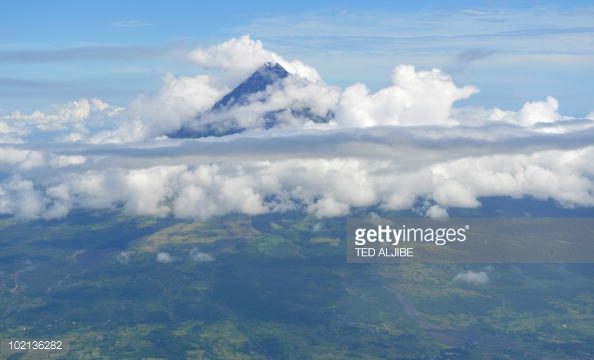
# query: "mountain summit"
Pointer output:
{"type": "Point", "coordinates": [266, 75]}
{"type": "Point", "coordinates": [223, 117]}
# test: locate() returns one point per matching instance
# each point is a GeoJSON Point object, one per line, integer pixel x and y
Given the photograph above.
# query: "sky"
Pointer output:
{"type": "Point", "coordinates": [54, 52]}
{"type": "Point", "coordinates": [427, 107]}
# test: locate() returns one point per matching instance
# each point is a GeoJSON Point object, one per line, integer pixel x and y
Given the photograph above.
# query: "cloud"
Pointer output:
{"type": "Point", "coordinates": [81, 53]}
{"type": "Point", "coordinates": [164, 258]}
{"type": "Point", "coordinates": [123, 257]}
{"type": "Point", "coordinates": [242, 56]}
{"type": "Point", "coordinates": [130, 24]}
{"type": "Point", "coordinates": [180, 99]}
{"type": "Point", "coordinates": [323, 187]}
{"type": "Point", "coordinates": [19, 197]}
{"type": "Point", "coordinates": [148, 189]}
{"type": "Point", "coordinates": [24, 159]}
{"type": "Point", "coordinates": [71, 115]}
{"type": "Point", "coordinates": [200, 257]}
{"type": "Point", "coordinates": [472, 55]}
{"type": "Point", "coordinates": [416, 98]}
{"type": "Point", "coordinates": [365, 35]}
{"type": "Point", "coordinates": [465, 58]}
{"type": "Point", "coordinates": [28, 86]}
{"type": "Point", "coordinates": [472, 278]}
{"type": "Point", "coordinates": [403, 145]}
{"type": "Point", "coordinates": [537, 112]}
{"type": "Point", "coordinates": [540, 115]}
{"type": "Point", "coordinates": [62, 161]}
{"type": "Point", "coordinates": [437, 212]}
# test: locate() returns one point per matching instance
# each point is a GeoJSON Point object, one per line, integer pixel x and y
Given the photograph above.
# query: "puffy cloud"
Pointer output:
{"type": "Point", "coordinates": [324, 187]}
{"type": "Point", "coordinates": [76, 110]}
{"type": "Point", "coordinates": [329, 207]}
{"type": "Point", "coordinates": [437, 212]}
{"type": "Point", "coordinates": [416, 98]}
{"type": "Point", "coordinates": [559, 175]}
{"type": "Point", "coordinates": [20, 198]}
{"type": "Point", "coordinates": [59, 203]}
{"type": "Point", "coordinates": [123, 257]}
{"type": "Point", "coordinates": [210, 190]}
{"type": "Point", "coordinates": [61, 161]}
{"type": "Point", "coordinates": [200, 257]}
{"type": "Point", "coordinates": [11, 133]}
{"type": "Point", "coordinates": [69, 114]}
{"type": "Point", "coordinates": [148, 189]}
{"type": "Point", "coordinates": [140, 191]}
{"type": "Point", "coordinates": [242, 56]}
{"type": "Point", "coordinates": [472, 278]}
{"type": "Point", "coordinates": [539, 111]}
{"type": "Point", "coordinates": [164, 258]}
{"type": "Point", "coordinates": [180, 99]}
{"type": "Point", "coordinates": [70, 122]}
{"type": "Point", "coordinates": [23, 199]}
{"type": "Point", "coordinates": [24, 159]}
{"type": "Point", "coordinates": [530, 114]}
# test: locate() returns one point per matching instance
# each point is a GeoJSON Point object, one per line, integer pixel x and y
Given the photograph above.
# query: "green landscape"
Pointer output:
{"type": "Point", "coordinates": [270, 287]}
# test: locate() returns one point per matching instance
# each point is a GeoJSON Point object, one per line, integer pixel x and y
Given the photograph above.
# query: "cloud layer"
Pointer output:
{"type": "Point", "coordinates": [324, 187]}
{"type": "Point", "coordinates": [392, 148]}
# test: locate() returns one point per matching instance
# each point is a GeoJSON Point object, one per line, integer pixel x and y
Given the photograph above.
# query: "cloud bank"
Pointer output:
{"type": "Point", "coordinates": [324, 187]}
{"type": "Point", "coordinates": [392, 148]}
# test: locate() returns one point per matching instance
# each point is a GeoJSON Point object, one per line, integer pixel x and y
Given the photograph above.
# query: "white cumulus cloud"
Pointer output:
{"type": "Point", "coordinates": [437, 212]}
{"type": "Point", "coordinates": [472, 277]}
{"type": "Point", "coordinates": [164, 257]}
{"type": "Point", "coordinates": [415, 98]}
{"type": "Point", "coordinates": [242, 56]}
{"type": "Point", "coordinates": [200, 257]}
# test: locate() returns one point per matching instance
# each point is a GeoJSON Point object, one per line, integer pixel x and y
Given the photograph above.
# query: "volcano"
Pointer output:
{"type": "Point", "coordinates": [268, 74]}
{"type": "Point", "coordinates": [217, 121]}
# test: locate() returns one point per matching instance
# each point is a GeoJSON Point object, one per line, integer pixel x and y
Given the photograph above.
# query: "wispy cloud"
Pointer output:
{"type": "Point", "coordinates": [463, 59]}
{"type": "Point", "coordinates": [131, 24]}
{"type": "Point", "coordinates": [102, 52]}
{"type": "Point", "coordinates": [435, 32]}
{"type": "Point", "coordinates": [26, 84]}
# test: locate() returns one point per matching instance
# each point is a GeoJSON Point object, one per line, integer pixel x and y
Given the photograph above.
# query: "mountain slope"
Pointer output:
{"type": "Point", "coordinates": [266, 75]}
{"type": "Point", "coordinates": [220, 120]}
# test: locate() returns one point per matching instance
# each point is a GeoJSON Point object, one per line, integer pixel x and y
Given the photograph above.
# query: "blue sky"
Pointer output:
{"type": "Point", "coordinates": [54, 52]}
